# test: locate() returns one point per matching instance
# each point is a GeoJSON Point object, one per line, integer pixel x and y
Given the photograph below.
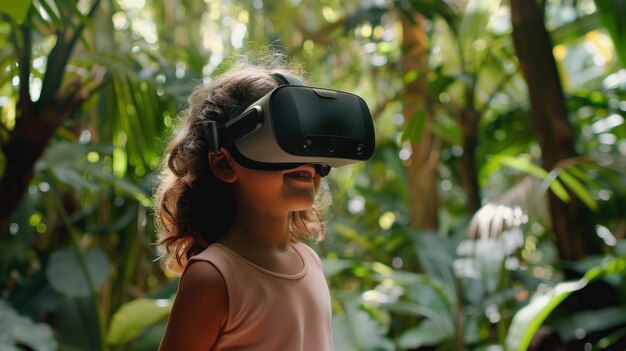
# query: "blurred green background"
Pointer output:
{"type": "Point", "coordinates": [491, 217]}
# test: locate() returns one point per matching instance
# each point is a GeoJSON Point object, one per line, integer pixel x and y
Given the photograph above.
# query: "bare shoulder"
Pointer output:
{"type": "Point", "coordinates": [202, 286]}
{"type": "Point", "coordinates": [200, 309]}
{"type": "Point", "coordinates": [202, 275]}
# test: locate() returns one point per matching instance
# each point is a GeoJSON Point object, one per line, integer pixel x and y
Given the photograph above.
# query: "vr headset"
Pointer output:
{"type": "Point", "coordinates": [294, 125]}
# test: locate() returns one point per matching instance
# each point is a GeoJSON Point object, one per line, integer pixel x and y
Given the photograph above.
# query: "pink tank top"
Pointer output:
{"type": "Point", "coordinates": [271, 311]}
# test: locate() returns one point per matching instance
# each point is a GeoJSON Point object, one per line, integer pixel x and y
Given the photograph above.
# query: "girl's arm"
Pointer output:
{"type": "Point", "coordinates": [199, 310]}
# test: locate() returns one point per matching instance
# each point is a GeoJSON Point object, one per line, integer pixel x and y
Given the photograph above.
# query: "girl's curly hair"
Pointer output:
{"type": "Point", "coordinates": [193, 208]}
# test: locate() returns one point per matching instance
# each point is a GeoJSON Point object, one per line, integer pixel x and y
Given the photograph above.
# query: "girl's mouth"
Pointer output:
{"type": "Point", "coordinates": [302, 173]}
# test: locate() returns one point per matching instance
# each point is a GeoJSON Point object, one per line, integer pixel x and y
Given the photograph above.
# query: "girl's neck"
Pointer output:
{"type": "Point", "coordinates": [259, 231]}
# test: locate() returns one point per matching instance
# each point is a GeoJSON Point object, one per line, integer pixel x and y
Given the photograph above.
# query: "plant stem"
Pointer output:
{"type": "Point", "coordinates": [75, 243]}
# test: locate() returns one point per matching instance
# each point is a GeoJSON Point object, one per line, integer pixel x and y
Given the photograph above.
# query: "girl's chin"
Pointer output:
{"type": "Point", "coordinates": [303, 205]}
{"type": "Point", "coordinates": [301, 208]}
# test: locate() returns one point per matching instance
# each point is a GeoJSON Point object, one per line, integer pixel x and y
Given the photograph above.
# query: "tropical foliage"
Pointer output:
{"type": "Point", "coordinates": [492, 216]}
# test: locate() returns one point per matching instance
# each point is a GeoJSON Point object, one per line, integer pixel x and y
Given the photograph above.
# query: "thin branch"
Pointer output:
{"type": "Point", "coordinates": [60, 55]}
{"type": "Point", "coordinates": [75, 240]}
{"type": "Point", "coordinates": [321, 35]}
{"type": "Point", "coordinates": [501, 85]}
{"type": "Point", "coordinates": [383, 105]}
{"type": "Point", "coordinates": [23, 54]}
{"type": "Point", "coordinates": [25, 58]}
{"type": "Point", "coordinates": [3, 132]}
{"type": "Point", "coordinates": [81, 27]}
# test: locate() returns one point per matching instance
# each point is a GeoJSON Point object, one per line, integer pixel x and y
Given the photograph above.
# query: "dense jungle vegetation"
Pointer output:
{"type": "Point", "coordinates": [491, 217]}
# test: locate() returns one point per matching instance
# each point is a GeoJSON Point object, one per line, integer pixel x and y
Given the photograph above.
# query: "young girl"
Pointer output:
{"type": "Point", "coordinates": [247, 282]}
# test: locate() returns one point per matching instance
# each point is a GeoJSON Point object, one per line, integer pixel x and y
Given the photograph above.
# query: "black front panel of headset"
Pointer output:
{"type": "Point", "coordinates": [323, 124]}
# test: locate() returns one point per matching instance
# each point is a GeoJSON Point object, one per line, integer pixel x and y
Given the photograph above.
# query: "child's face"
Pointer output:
{"type": "Point", "coordinates": [277, 191]}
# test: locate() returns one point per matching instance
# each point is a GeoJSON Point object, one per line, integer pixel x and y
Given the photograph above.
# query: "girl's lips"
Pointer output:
{"type": "Point", "coordinates": [301, 172]}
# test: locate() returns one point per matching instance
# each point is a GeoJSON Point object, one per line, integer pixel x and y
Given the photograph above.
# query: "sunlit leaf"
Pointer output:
{"type": "Point", "coordinates": [528, 320]}
{"type": "Point", "coordinates": [415, 127]}
{"type": "Point", "coordinates": [119, 183]}
{"type": "Point", "coordinates": [575, 29]}
{"type": "Point", "coordinates": [613, 16]}
{"type": "Point", "coordinates": [17, 10]}
{"type": "Point", "coordinates": [472, 30]}
{"type": "Point", "coordinates": [578, 189]}
{"type": "Point", "coordinates": [66, 162]}
{"type": "Point", "coordinates": [522, 164]}
{"type": "Point", "coordinates": [134, 317]}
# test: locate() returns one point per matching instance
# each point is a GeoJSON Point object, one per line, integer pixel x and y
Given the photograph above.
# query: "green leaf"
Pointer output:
{"type": "Point", "coordinates": [355, 329]}
{"type": "Point", "coordinates": [620, 248]}
{"type": "Point", "coordinates": [335, 266]}
{"type": "Point", "coordinates": [434, 299]}
{"type": "Point", "coordinates": [528, 319]}
{"type": "Point", "coordinates": [150, 338]}
{"type": "Point", "coordinates": [440, 83]}
{"type": "Point", "coordinates": [613, 16]}
{"type": "Point", "coordinates": [431, 9]}
{"type": "Point", "coordinates": [119, 183]}
{"type": "Point", "coordinates": [72, 178]}
{"type": "Point", "coordinates": [351, 234]}
{"type": "Point", "coordinates": [65, 275]}
{"type": "Point", "coordinates": [46, 11]}
{"type": "Point", "coordinates": [342, 335]}
{"type": "Point", "coordinates": [15, 9]}
{"type": "Point", "coordinates": [591, 321]}
{"type": "Point", "coordinates": [16, 330]}
{"type": "Point", "coordinates": [415, 127]}
{"type": "Point", "coordinates": [66, 162]}
{"type": "Point", "coordinates": [524, 165]}
{"type": "Point", "coordinates": [440, 317]}
{"type": "Point", "coordinates": [578, 189]}
{"type": "Point", "coordinates": [394, 163]}
{"type": "Point", "coordinates": [427, 333]}
{"type": "Point", "coordinates": [574, 30]}
{"type": "Point", "coordinates": [134, 317]}
{"type": "Point", "coordinates": [449, 133]}
{"type": "Point", "coordinates": [472, 30]}
{"type": "Point", "coordinates": [436, 255]}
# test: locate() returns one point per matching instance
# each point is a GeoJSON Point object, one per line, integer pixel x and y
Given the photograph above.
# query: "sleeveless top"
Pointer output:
{"type": "Point", "coordinates": [272, 311]}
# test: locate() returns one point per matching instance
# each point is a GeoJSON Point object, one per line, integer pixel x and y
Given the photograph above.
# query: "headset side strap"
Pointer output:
{"type": "Point", "coordinates": [234, 129]}
{"type": "Point", "coordinates": [287, 79]}
{"type": "Point", "coordinates": [214, 141]}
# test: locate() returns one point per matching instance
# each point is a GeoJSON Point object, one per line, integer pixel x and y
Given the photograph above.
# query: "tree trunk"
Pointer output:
{"type": "Point", "coordinates": [422, 167]}
{"type": "Point", "coordinates": [571, 222]}
{"type": "Point", "coordinates": [37, 122]}
{"type": "Point", "coordinates": [33, 131]}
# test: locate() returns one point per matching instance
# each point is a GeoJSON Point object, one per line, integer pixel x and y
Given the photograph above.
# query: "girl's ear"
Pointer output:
{"type": "Point", "coordinates": [221, 164]}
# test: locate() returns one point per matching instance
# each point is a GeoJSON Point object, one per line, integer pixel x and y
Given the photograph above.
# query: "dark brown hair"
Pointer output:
{"type": "Point", "coordinates": [194, 208]}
